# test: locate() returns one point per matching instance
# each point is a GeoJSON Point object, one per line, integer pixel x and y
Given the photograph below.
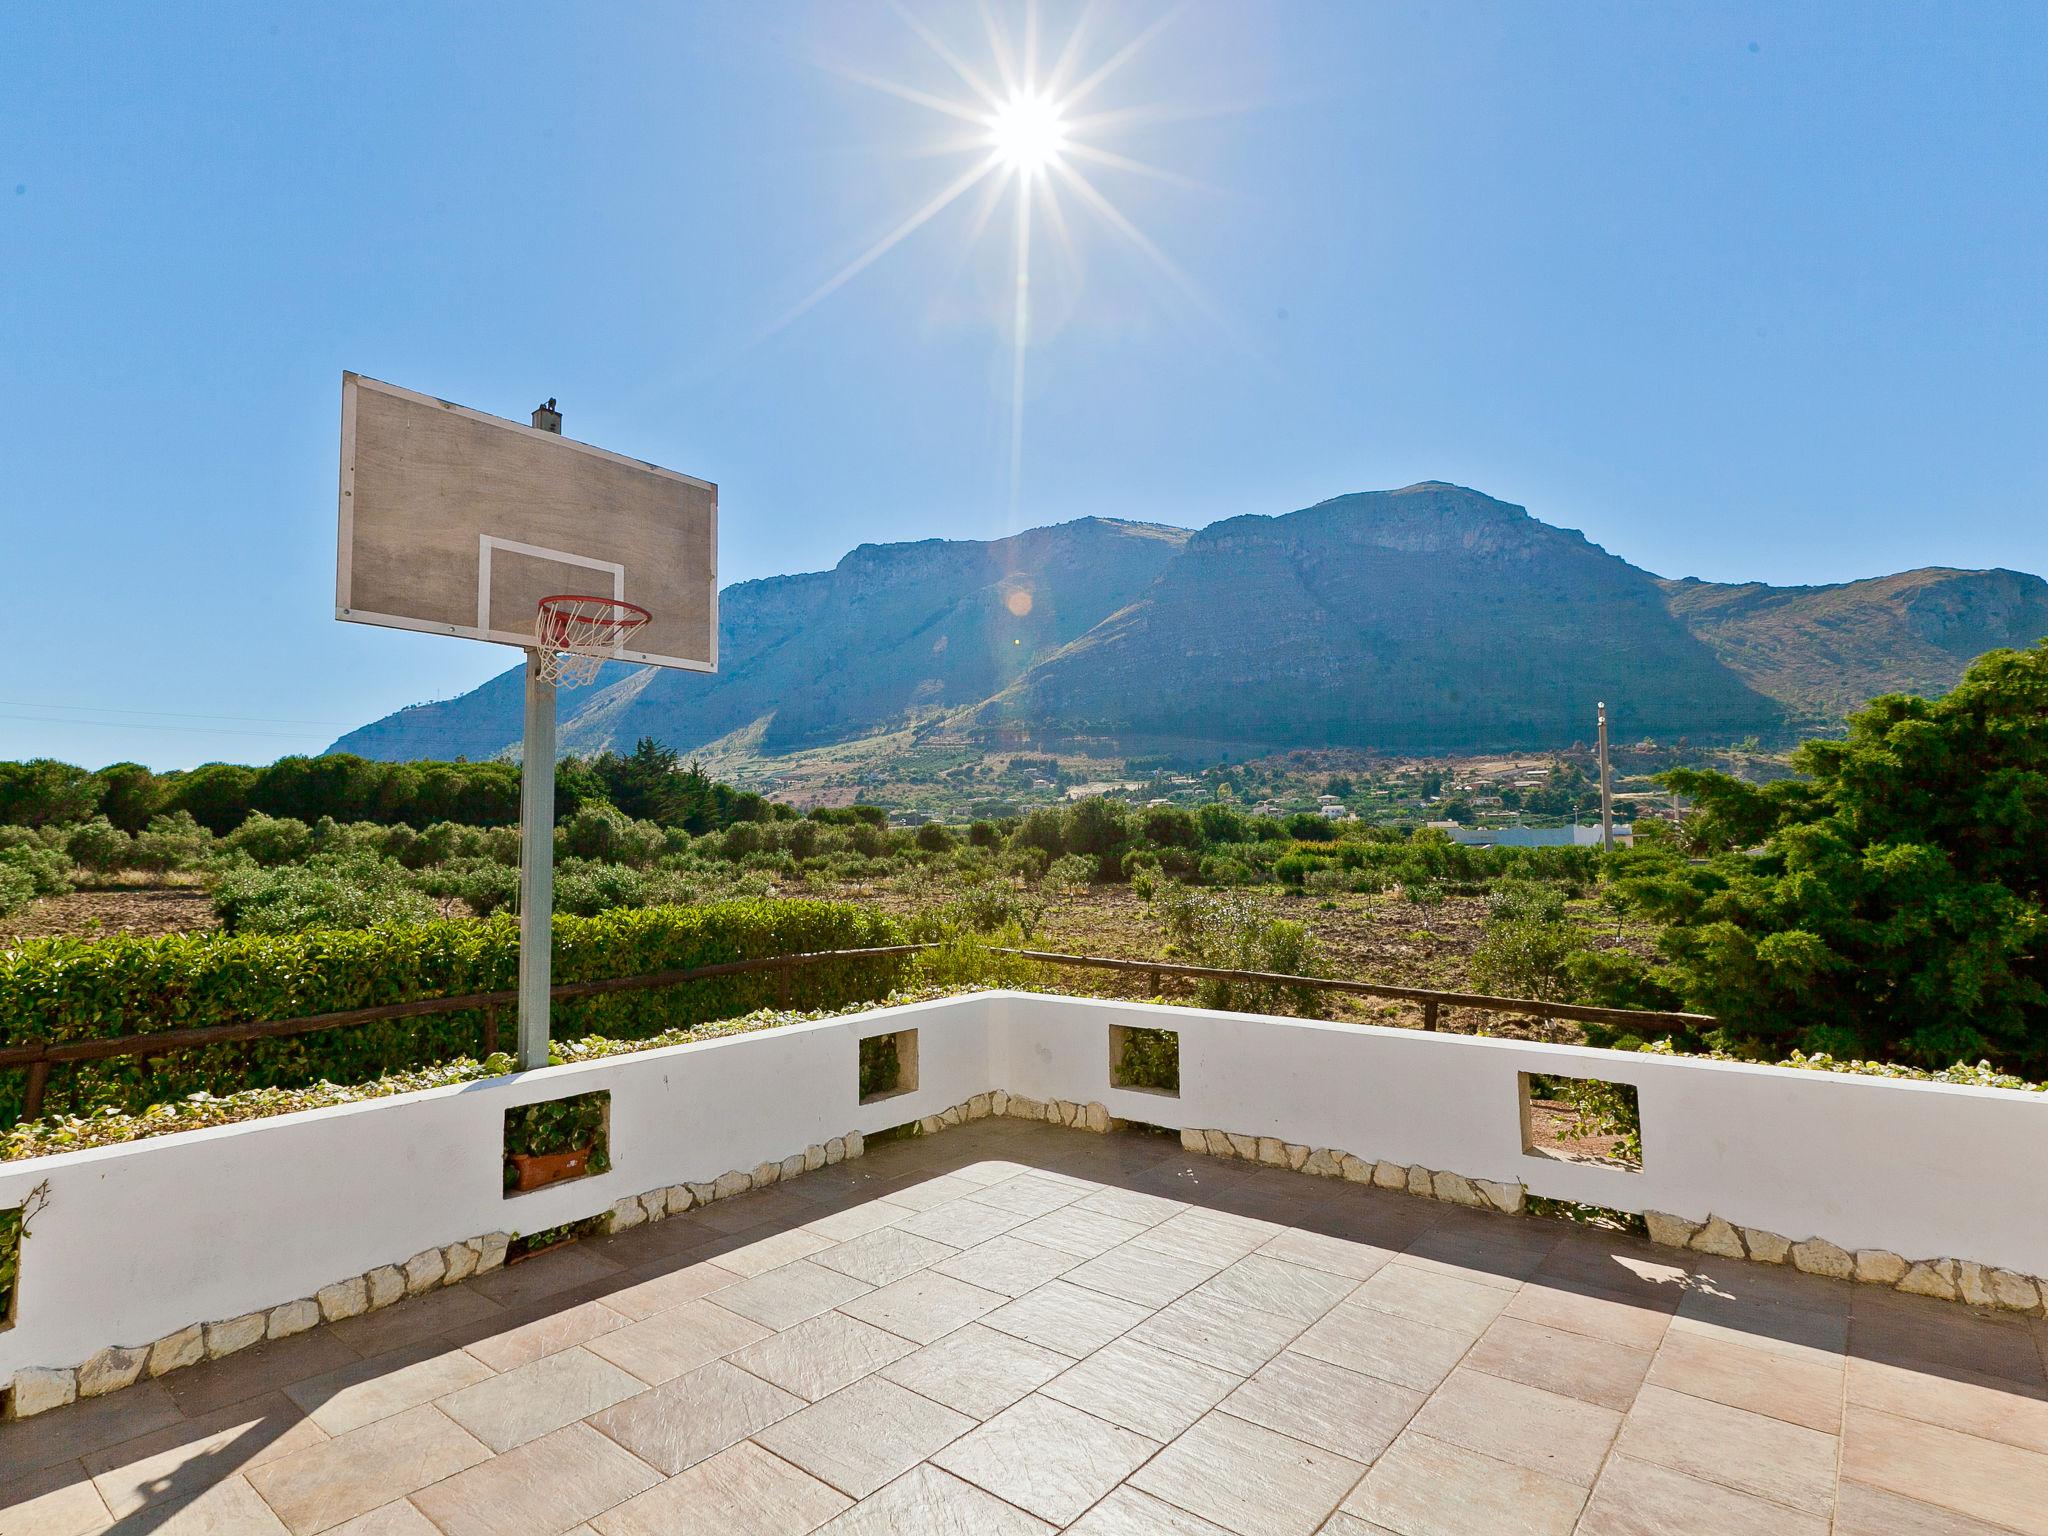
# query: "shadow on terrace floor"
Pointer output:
{"type": "Point", "coordinates": [1067, 1330]}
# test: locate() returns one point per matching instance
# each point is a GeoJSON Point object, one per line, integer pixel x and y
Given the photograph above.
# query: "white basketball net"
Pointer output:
{"type": "Point", "coordinates": [577, 635]}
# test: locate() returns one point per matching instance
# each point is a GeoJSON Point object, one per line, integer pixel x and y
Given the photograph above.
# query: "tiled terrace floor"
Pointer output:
{"type": "Point", "coordinates": [1014, 1328]}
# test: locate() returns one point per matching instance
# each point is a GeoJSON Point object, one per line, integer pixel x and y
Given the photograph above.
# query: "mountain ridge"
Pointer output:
{"type": "Point", "coordinates": [1426, 618]}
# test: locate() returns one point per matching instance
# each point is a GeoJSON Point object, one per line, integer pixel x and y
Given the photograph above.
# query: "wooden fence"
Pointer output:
{"type": "Point", "coordinates": [37, 1059]}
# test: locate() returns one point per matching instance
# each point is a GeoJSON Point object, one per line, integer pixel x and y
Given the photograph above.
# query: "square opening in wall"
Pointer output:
{"type": "Point", "coordinates": [888, 1065]}
{"type": "Point", "coordinates": [1145, 1060]}
{"type": "Point", "coordinates": [1582, 1120]}
{"type": "Point", "coordinates": [556, 1140]}
{"type": "Point", "coordinates": [10, 1263]}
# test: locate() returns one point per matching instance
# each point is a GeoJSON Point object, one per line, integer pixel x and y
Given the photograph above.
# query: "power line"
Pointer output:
{"type": "Point", "coordinates": [139, 725]}
{"type": "Point", "coordinates": [167, 714]}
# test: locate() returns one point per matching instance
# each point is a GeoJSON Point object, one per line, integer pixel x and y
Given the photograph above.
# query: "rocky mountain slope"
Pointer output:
{"type": "Point", "coordinates": [1431, 618]}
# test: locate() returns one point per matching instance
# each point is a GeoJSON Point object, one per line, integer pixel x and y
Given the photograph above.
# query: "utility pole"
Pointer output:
{"type": "Point", "coordinates": [1606, 788]}
{"type": "Point", "coordinates": [537, 843]}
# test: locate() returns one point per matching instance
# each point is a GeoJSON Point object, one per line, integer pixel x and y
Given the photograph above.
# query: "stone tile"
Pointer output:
{"type": "Point", "coordinates": [1983, 1479]}
{"type": "Point", "coordinates": [368, 1390]}
{"type": "Point", "coordinates": [545, 1274]}
{"type": "Point", "coordinates": [1084, 1234]}
{"type": "Point", "coordinates": [784, 1297]}
{"type": "Point", "coordinates": [928, 1193]}
{"type": "Point", "coordinates": [253, 1372]}
{"type": "Point", "coordinates": [864, 1435]}
{"type": "Point", "coordinates": [1046, 1457]}
{"type": "Point", "coordinates": [1248, 1478]}
{"type": "Point", "coordinates": [678, 1340]}
{"type": "Point", "coordinates": [819, 1356]}
{"type": "Point", "coordinates": [227, 1507]}
{"type": "Point", "coordinates": [839, 1226]}
{"type": "Point", "coordinates": [1218, 1332]}
{"type": "Point", "coordinates": [742, 1491]}
{"type": "Point", "coordinates": [537, 1489]}
{"type": "Point", "coordinates": [1333, 1255]}
{"type": "Point", "coordinates": [170, 1465]}
{"type": "Point", "coordinates": [1802, 1388]}
{"type": "Point", "coordinates": [1131, 1205]}
{"type": "Point", "coordinates": [928, 1502]}
{"type": "Point", "coordinates": [64, 1434]}
{"type": "Point", "coordinates": [1208, 1237]}
{"type": "Point", "coordinates": [1592, 1314]}
{"type": "Point", "coordinates": [1008, 1265]}
{"type": "Point", "coordinates": [319, 1487]}
{"type": "Point", "coordinates": [1142, 1388]}
{"type": "Point", "coordinates": [1591, 1370]}
{"type": "Point", "coordinates": [1276, 1286]}
{"type": "Point", "coordinates": [1639, 1498]}
{"type": "Point", "coordinates": [1127, 1512]}
{"type": "Point", "coordinates": [657, 1288]}
{"type": "Point", "coordinates": [976, 1370]}
{"type": "Point", "coordinates": [1482, 1250]}
{"type": "Point", "coordinates": [1429, 1296]}
{"type": "Point", "coordinates": [1148, 1276]}
{"type": "Point", "coordinates": [526, 1343]}
{"type": "Point", "coordinates": [1425, 1487]}
{"type": "Point", "coordinates": [1069, 1318]}
{"type": "Point", "coordinates": [884, 1256]}
{"type": "Point", "coordinates": [1861, 1510]}
{"type": "Point", "coordinates": [1383, 1344]}
{"type": "Point", "coordinates": [961, 1223]}
{"type": "Point", "coordinates": [695, 1416]}
{"type": "Point", "coordinates": [1325, 1405]}
{"type": "Point", "coordinates": [1028, 1195]}
{"type": "Point", "coordinates": [525, 1404]}
{"type": "Point", "coordinates": [1526, 1426]}
{"type": "Point", "coordinates": [414, 1320]}
{"type": "Point", "coordinates": [771, 1250]}
{"type": "Point", "coordinates": [1768, 1457]}
{"type": "Point", "coordinates": [1797, 1331]}
{"type": "Point", "coordinates": [1989, 1407]}
{"type": "Point", "coordinates": [398, 1518]}
{"type": "Point", "coordinates": [924, 1307]}
{"type": "Point", "coordinates": [57, 1500]}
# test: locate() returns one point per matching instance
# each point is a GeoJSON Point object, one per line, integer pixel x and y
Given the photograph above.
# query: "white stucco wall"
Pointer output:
{"type": "Point", "coordinates": [139, 1240]}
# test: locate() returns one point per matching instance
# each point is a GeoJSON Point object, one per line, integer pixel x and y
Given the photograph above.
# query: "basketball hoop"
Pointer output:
{"type": "Point", "coordinates": [576, 634]}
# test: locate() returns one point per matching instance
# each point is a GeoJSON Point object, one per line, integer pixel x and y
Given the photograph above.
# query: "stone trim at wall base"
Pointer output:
{"type": "Point", "coordinates": [1330, 1163]}
{"type": "Point", "coordinates": [1975, 1285]}
{"type": "Point", "coordinates": [37, 1389]}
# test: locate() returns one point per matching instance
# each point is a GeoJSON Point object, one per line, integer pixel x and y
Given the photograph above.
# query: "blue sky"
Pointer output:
{"type": "Point", "coordinates": [1742, 291]}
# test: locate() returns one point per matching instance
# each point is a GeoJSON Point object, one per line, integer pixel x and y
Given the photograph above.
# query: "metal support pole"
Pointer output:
{"type": "Point", "coordinates": [536, 866]}
{"type": "Point", "coordinates": [1606, 789]}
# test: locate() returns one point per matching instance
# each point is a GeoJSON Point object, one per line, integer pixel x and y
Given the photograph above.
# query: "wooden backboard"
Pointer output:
{"type": "Point", "coordinates": [458, 523]}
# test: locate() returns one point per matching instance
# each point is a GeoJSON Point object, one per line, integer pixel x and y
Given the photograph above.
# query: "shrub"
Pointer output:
{"type": "Point", "coordinates": [328, 891]}
{"type": "Point", "coordinates": [99, 846]}
{"type": "Point", "coordinates": [17, 888]}
{"type": "Point", "coordinates": [64, 989]}
{"type": "Point", "coordinates": [10, 1260]}
{"type": "Point", "coordinates": [1150, 1059]}
{"type": "Point", "coordinates": [584, 888]}
{"type": "Point", "coordinates": [271, 840]}
{"type": "Point", "coordinates": [934, 838]}
{"type": "Point", "coordinates": [172, 843]}
{"type": "Point", "coordinates": [881, 1067]}
{"type": "Point", "coordinates": [1236, 933]}
{"type": "Point", "coordinates": [48, 869]}
{"type": "Point", "coordinates": [559, 1125]}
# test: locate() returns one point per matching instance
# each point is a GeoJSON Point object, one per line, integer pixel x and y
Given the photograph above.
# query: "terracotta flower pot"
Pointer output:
{"type": "Point", "coordinates": [538, 1169]}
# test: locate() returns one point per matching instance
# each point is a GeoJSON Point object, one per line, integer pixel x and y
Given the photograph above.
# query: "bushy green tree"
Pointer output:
{"type": "Point", "coordinates": [1899, 905]}
{"type": "Point", "coordinates": [43, 792]}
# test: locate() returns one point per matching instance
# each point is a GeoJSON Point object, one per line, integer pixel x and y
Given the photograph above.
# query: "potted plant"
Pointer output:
{"type": "Point", "coordinates": [556, 1140]}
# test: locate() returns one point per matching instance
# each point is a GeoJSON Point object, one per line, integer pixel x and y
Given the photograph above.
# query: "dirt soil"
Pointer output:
{"type": "Point", "coordinates": [139, 910]}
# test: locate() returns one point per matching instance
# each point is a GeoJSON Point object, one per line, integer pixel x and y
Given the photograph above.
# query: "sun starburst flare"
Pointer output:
{"type": "Point", "coordinates": [1025, 141]}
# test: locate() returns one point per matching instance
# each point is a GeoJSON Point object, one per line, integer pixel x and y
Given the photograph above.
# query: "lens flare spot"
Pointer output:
{"type": "Point", "coordinates": [1018, 602]}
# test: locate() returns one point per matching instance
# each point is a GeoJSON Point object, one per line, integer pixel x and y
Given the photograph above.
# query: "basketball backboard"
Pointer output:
{"type": "Point", "coordinates": [458, 523]}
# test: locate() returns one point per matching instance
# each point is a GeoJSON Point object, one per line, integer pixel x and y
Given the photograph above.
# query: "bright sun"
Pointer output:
{"type": "Point", "coordinates": [1028, 132]}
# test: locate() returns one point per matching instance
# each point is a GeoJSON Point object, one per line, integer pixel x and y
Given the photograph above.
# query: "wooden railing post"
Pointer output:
{"type": "Point", "coordinates": [784, 979]}
{"type": "Point", "coordinates": [38, 1080]}
{"type": "Point", "coordinates": [490, 1029]}
{"type": "Point", "coordinates": [1429, 1011]}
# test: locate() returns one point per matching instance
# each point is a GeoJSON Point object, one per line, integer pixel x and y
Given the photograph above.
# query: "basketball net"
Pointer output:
{"type": "Point", "coordinates": [575, 635]}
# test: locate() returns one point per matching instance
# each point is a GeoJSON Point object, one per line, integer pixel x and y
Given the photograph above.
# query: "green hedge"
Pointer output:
{"type": "Point", "coordinates": [77, 989]}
